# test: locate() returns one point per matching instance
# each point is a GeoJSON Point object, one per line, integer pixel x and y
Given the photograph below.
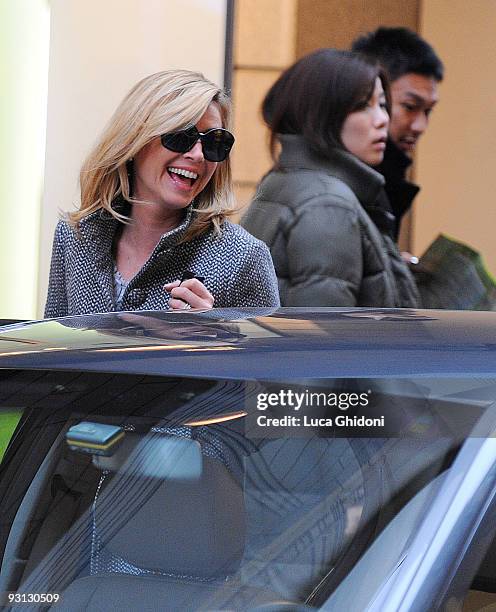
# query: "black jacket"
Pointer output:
{"type": "Point", "coordinates": [397, 196]}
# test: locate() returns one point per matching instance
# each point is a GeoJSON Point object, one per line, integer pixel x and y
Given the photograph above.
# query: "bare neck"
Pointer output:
{"type": "Point", "coordinates": [149, 223]}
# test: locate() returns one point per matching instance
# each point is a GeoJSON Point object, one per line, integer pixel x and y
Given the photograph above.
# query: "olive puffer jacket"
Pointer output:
{"type": "Point", "coordinates": [311, 212]}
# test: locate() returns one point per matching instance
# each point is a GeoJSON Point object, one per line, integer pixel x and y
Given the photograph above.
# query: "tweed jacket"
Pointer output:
{"type": "Point", "coordinates": [312, 213]}
{"type": "Point", "coordinates": [237, 268]}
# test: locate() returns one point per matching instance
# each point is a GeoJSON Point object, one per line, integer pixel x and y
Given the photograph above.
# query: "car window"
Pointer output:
{"type": "Point", "coordinates": [9, 418]}
{"type": "Point", "coordinates": [219, 494]}
{"type": "Point", "coordinates": [481, 597]}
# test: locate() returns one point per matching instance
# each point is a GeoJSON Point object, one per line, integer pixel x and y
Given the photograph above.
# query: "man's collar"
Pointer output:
{"type": "Point", "coordinates": [395, 162]}
{"type": "Point", "coordinates": [400, 192]}
{"type": "Point", "coordinates": [362, 179]}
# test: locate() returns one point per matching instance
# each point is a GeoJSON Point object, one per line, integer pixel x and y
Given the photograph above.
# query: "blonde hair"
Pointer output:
{"type": "Point", "coordinates": [160, 103]}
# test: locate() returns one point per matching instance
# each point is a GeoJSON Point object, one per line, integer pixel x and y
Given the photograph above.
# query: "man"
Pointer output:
{"type": "Point", "coordinates": [414, 71]}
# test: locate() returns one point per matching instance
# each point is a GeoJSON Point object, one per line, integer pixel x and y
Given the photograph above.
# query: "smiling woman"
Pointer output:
{"type": "Point", "coordinates": [152, 232]}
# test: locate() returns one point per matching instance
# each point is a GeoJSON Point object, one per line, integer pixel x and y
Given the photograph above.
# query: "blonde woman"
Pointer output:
{"type": "Point", "coordinates": [151, 232]}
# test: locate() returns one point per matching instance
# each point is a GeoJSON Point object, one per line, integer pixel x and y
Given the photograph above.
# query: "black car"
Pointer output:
{"type": "Point", "coordinates": [290, 459]}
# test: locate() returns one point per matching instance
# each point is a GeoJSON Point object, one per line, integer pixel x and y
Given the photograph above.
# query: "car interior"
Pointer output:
{"type": "Point", "coordinates": [191, 507]}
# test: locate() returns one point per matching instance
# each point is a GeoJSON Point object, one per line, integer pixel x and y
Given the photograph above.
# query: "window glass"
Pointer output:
{"type": "Point", "coordinates": [9, 417]}
{"type": "Point", "coordinates": [227, 493]}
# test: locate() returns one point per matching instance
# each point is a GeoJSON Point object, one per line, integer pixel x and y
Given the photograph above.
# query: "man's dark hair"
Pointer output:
{"type": "Point", "coordinates": [314, 96]}
{"type": "Point", "coordinates": [400, 51]}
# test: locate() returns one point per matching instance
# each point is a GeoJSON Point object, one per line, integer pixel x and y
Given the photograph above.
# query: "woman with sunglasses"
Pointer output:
{"type": "Point", "coordinates": [151, 232]}
{"type": "Point", "coordinates": [319, 208]}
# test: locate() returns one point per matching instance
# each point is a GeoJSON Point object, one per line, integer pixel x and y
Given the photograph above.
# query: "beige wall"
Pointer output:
{"type": "Point", "coordinates": [336, 23]}
{"type": "Point", "coordinates": [264, 44]}
{"type": "Point", "coordinates": [24, 40]}
{"type": "Point", "coordinates": [98, 50]}
{"type": "Point", "coordinates": [457, 157]}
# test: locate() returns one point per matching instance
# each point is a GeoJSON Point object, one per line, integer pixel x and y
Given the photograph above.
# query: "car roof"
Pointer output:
{"type": "Point", "coordinates": [258, 343]}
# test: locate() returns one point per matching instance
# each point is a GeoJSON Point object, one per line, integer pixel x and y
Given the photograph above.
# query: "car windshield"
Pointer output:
{"type": "Point", "coordinates": [216, 494]}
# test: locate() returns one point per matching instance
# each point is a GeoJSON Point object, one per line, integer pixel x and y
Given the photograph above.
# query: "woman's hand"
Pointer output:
{"type": "Point", "coordinates": [187, 294]}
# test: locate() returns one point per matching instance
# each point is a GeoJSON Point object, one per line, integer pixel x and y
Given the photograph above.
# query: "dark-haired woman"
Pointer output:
{"type": "Point", "coordinates": [316, 209]}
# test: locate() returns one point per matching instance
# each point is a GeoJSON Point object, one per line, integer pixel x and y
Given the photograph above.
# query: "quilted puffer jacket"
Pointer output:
{"type": "Point", "coordinates": [327, 251]}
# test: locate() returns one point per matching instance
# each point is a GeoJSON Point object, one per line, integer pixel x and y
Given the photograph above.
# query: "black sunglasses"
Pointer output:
{"type": "Point", "coordinates": [216, 143]}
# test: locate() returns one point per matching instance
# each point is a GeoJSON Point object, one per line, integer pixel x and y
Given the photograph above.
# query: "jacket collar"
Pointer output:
{"type": "Point", "coordinates": [99, 227]}
{"type": "Point", "coordinates": [393, 168]}
{"type": "Point", "coordinates": [97, 230]}
{"type": "Point", "coordinates": [395, 162]}
{"type": "Point", "coordinates": [362, 179]}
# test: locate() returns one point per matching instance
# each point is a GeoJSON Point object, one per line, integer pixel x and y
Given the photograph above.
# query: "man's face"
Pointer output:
{"type": "Point", "coordinates": [413, 96]}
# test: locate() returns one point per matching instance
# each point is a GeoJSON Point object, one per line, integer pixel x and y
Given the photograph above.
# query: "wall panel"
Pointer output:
{"type": "Point", "coordinates": [456, 157]}
{"type": "Point", "coordinates": [335, 23]}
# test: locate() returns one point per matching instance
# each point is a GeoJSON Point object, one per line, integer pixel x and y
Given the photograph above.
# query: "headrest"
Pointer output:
{"type": "Point", "coordinates": [181, 526]}
{"type": "Point", "coordinates": [155, 456]}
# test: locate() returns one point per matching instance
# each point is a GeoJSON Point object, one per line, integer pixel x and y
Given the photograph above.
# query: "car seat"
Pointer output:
{"type": "Point", "coordinates": [165, 526]}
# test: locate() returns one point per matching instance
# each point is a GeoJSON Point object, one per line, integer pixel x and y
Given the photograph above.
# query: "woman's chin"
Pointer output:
{"type": "Point", "coordinates": [372, 160]}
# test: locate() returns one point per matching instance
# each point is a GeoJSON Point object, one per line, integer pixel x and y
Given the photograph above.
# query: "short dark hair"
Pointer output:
{"type": "Point", "coordinates": [314, 96]}
{"type": "Point", "coordinates": [400, 51]}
